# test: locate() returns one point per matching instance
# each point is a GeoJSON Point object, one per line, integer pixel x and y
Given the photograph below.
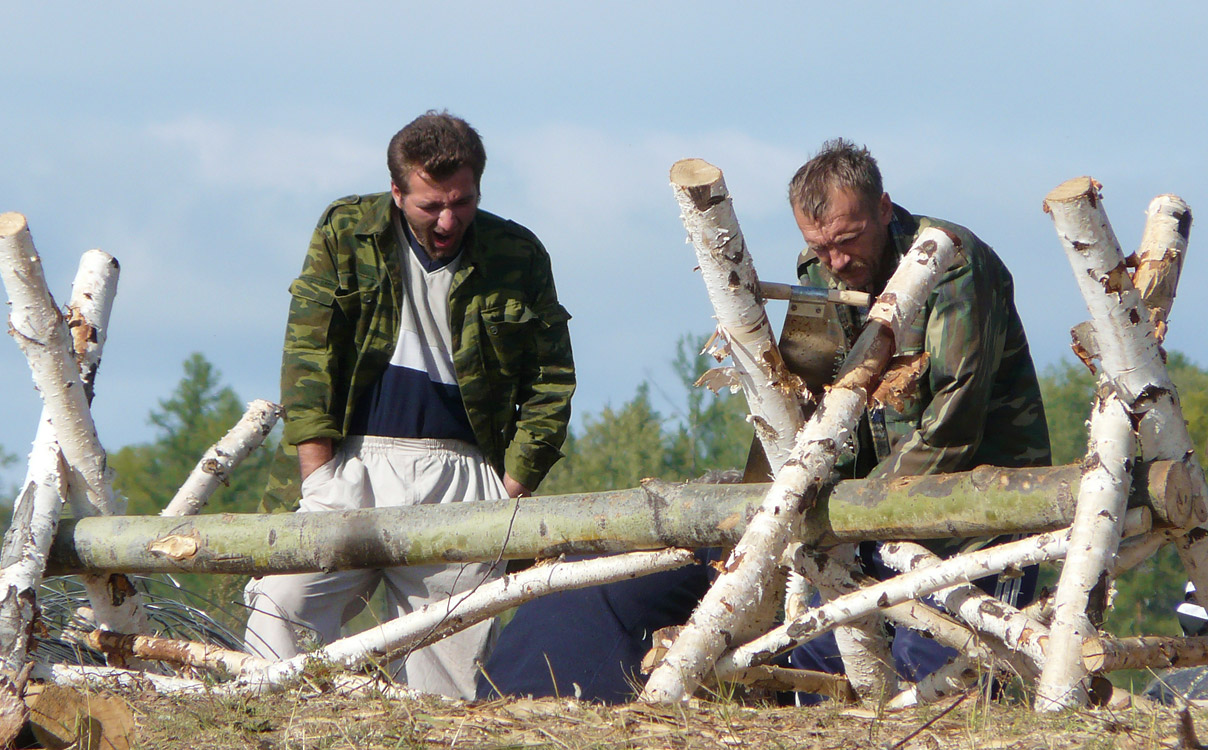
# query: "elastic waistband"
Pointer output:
{"type": "Point", "coordinates": [376, 444]}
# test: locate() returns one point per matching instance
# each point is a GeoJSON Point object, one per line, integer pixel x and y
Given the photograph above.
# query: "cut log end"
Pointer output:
{"type": "Point", "coordinates": [12, 223]}
{"type": "Point", "coordinates": [690, 173]}
{"type": "Point", "coordinates": [1072, 190]}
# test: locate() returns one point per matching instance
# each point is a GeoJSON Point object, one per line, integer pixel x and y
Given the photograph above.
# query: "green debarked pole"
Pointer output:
{"type": "Point", "coordinates": [984, 502]}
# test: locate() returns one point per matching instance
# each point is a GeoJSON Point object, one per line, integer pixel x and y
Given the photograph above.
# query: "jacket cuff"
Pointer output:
{"type": "Point", "coordinates": [301, 429]}
{"type": "Point", "coordinates": [528, 463]}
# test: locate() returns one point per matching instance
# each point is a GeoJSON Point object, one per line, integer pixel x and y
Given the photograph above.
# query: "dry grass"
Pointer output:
{"type": "Point", "coordinates": [306, 719]}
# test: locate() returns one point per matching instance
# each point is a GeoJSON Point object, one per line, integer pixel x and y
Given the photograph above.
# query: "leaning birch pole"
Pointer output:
{"type": "Point", "coordinates": [774, 394]}
{"type": "Point", "coordinates": [442, 618]}
{"type": "Point", "coordinates": [1160, 257]}
{"type": "Point", "coordinates": [220, 460]}
{"type": "Point", "coordinates": [44, 338]}
{"type": "Point", "coordinates": [917, 583]}
{"type": "Point", "coordinates": [743, 581]}
{"type": "Point", "coordinates": [1094, 539]}
{"type": "Point", "coordinates": [1127, 340]}
{"type": "Point", "coordinates": [38, 506]}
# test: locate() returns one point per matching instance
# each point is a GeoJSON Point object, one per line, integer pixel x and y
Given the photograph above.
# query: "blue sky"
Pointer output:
{"type": "Point", "coordinates": [198, 143]}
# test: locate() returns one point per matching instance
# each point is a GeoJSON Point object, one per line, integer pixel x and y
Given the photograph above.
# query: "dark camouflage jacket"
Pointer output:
{"type": "Point", "coordinates": [511, 344]}
{"type": "Point", "coordinates": [976, 399]}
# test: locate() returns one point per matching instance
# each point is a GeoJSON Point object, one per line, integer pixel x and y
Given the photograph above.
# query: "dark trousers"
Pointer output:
{"type": "Point", "coordinates": [590, 642]}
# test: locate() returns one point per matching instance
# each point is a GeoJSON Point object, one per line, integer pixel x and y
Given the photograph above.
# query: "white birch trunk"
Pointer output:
{"type": "Point", "coordinates": [220, 460]}
{"type": "Point", "coordinates": [913, 585]}
{"type": "Point", "coordinates": [40, 331]}
{"type": "Point", "coordinates": [1160, 257]}
{"type": "Point", "coordinates": [38, 507]}
{"type": "Point", "coordinates": [439, 619]}
{"type": "Point", "coordinates": [740, 588]}
{"type": "Point", "coordinates": [774, 394]}
{"type": "Point", "coordinates": [1094, 539]}
{"type": "Point", "coordinates": [862, 643]}
{"type": "Point", "coordinates": [1149, 652]}
{"type": "Point", "coordinates": [1127, 340]}
{"type": "Point", "coordinates": [1023, 635]}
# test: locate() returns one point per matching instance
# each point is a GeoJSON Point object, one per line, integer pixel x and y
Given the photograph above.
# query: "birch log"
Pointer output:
{"type": "Point", "coordinates": [1094, 539]}
{"type": "Point", "coordinates": [38, 506]}
{"type": "Point", "coordinates": [42, 334]}
{"type": "Point", "coordinates": [1160, 257]}
{"type": "Point", "coordinates": [741, 585]}
{"type": "Point", "coordinates": [774, 394]}
{"type": "Point", "coordinates": [1108, 654]}
{"type": "Point", "coordinates": [1126, 339]}
{"type": "Point", "coordinates": [1005, 624]}
{"type": "Point", "coordinates": [917, 583]}
{"type": "Point", "coordinates": [862, 643]}
{"type": "Point", "coordinates": [439, 619]}
{"type": "Point", "coordinates": [222, 457]}
{"type": "Point", "coordinates": [173, 651]}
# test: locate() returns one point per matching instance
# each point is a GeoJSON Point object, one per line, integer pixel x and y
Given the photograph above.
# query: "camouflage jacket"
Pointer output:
{"type": "Point", "coordinates": [972, 396]}
{"type": "Point", "coordinates": [511, 344]}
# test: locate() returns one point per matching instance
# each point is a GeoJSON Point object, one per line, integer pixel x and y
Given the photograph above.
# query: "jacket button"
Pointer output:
{"type": "Point", "coordinates": [493, 330]}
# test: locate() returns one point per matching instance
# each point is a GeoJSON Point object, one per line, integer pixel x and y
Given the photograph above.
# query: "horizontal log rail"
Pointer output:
{"type": "Point", "coordinates": [984, 502]}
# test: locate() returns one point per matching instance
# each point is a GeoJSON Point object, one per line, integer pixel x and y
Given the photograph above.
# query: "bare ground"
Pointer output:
{"type": "Point", "coordinates": [305, 718]}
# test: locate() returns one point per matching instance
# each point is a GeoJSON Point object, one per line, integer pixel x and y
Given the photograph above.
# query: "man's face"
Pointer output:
{"type": "Point", "coordinates": [850, 238]}
{"type": "Point", "coordinates": [438, 211]}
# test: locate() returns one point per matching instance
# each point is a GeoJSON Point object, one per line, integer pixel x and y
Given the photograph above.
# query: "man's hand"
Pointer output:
{"type": "Point", "coordinates": [312, 454]}
{"type": "Point", "coordinates": [514, 488]}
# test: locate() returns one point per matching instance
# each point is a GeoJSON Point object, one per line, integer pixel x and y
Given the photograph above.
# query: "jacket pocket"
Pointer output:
{"type": "Point", "coordinates": [508, 336]}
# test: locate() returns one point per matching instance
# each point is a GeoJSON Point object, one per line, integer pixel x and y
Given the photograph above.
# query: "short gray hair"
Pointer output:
{"type": "Point", "coordinates": [840, 164]}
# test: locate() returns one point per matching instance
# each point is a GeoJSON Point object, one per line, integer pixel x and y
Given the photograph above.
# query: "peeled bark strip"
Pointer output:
{"type": "Point", "coordinates": [1094, 539]}
{"type": "Point", "coordinates": [774, 394]}
{"type": "Point", "coordinates": [1108, 654]}
{"type": "Point", "coordinates": [740, 587]}
{"type": "Point", "coordinates": [1160, 257]}
{"type": "Point", "coordinates": [182, 653]}
{"type": "Point", "coordinates": [908, 586]}
{"type": "Point", "coordinates": [439, 619]}
{"type": "Point", "coordinates": [216, 465]}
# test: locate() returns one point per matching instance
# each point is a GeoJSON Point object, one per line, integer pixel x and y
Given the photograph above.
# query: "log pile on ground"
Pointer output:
{"type": "Point", "coordinates": [1140, 487]}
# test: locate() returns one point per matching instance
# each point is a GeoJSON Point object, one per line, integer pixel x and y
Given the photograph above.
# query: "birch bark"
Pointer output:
{"type": "Point", "coordinates": [740, 587]}
{"type": "Point", "coordinates": [1094, 539]}
{"type": "Point", "coordinates": [439, 619]}
{"type": "Point", "coordinates": [774, 394]}
{"type": "Point", "coordinates": [222, 457]}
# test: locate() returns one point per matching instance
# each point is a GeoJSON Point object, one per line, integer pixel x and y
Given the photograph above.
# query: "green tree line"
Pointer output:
{"type": "Point", "coordinates": [674, 433]}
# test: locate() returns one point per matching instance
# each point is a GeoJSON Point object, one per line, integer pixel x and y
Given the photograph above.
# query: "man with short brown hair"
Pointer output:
{"type": "Point", "coordinates": [427, 360]}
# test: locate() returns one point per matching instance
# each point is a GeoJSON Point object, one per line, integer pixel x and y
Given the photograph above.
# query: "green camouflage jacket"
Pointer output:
{"type": "Point", "coordinates": [974, 399]}
{"type": "Point", "coordinates": [511, 344]}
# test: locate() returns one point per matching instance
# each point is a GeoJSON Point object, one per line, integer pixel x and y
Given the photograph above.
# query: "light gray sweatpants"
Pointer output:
{"type": "Point", "coordinates": [375, 472]}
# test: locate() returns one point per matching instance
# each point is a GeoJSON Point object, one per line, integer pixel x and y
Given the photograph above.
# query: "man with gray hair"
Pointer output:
{"type": "Point", "coordinates": [973, 397]}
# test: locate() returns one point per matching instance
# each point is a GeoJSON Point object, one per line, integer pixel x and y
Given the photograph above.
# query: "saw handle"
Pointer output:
{"type": "Point", "coordinates": [795, 293]}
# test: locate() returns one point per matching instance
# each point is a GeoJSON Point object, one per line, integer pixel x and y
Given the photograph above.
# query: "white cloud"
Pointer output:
{"type": "Point", "coordinates": [272, 158]}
